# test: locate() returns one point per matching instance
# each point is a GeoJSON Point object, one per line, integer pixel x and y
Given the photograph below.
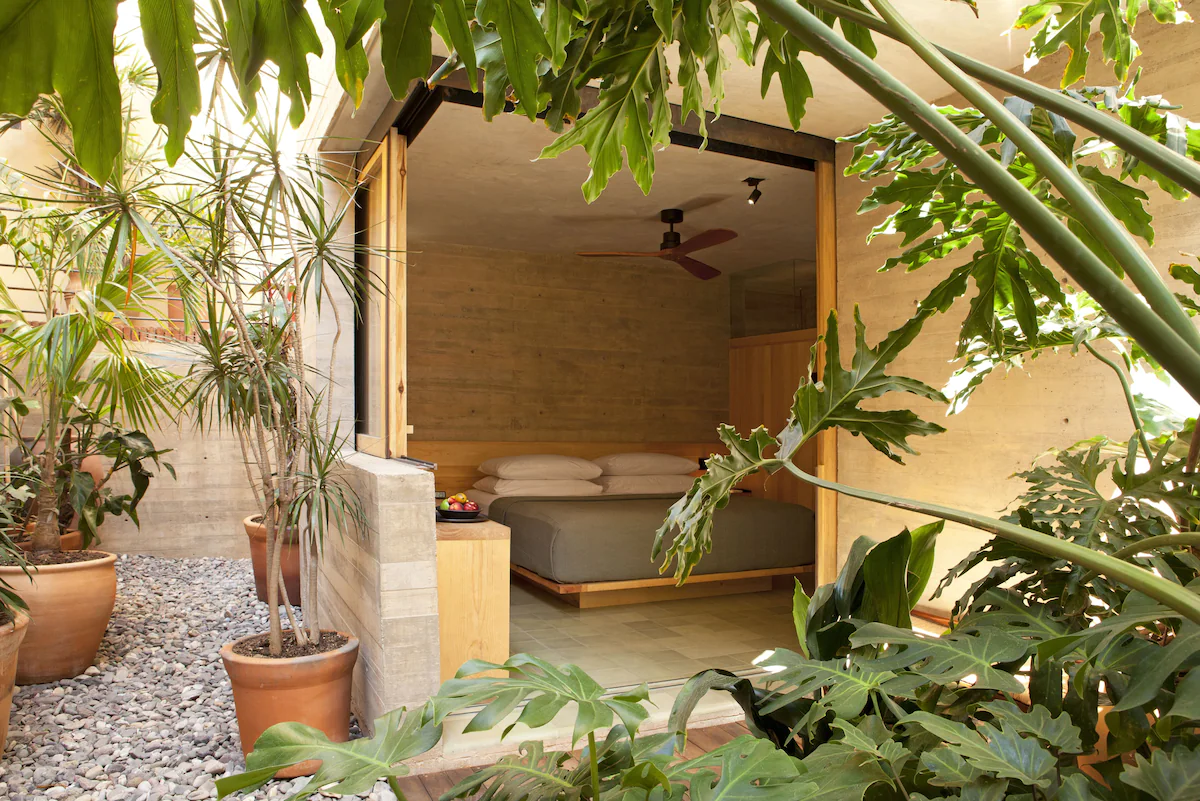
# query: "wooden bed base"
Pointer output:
{"type": "Point", "coordinates": [594, 594]}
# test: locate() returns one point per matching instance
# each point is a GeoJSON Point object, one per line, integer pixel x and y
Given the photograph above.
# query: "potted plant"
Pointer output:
{"type": "Point", "coordinates": [267, 249]}
{"type": "Point", "coordinates": [72, 355]}
{"type": "Point", "coordinates": [14, 614]}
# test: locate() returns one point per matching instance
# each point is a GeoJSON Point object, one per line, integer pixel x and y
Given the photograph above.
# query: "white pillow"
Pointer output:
{"type": "Point", "coordinates": [645, 485]}
{"type": "Point", "coordinates": [645, 464]}
{"type": "Point", "coordinates": [540, 465]}
{"type": "Point", "coordinates": [528, 487]}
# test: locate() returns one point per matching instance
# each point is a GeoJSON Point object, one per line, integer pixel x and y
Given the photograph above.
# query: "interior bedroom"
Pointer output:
{"type": "Point", "coordinates": [573, 398]}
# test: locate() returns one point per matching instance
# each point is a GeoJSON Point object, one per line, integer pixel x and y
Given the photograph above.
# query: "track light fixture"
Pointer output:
{"type": "Point", "coordinates": [756, 193]}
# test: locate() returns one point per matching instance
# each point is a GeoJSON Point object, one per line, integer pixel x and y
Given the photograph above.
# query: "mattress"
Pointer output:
{"type": "Point", "coordinates": [609, 537]}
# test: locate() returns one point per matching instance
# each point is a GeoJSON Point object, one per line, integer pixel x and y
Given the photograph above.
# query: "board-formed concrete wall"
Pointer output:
{"type": "Point", "coordinates": [1057, 401]}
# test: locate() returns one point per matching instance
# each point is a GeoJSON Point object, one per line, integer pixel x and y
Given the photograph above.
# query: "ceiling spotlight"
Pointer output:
{"type": "Point", "coordinates": [756, 193]}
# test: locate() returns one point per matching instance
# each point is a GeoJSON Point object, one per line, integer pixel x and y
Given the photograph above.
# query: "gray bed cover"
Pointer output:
{"type": "Point", "coordinates": [609, 537]}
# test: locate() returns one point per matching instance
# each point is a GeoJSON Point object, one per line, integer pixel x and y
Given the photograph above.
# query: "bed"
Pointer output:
{"type": "Point", "coordinates": [595, 551]}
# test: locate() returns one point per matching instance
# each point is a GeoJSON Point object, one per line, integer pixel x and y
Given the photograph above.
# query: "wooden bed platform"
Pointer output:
{"type": "Point", "coordinates": [593, 594]}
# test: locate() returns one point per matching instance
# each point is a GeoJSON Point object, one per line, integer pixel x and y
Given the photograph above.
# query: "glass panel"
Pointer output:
{"type": "Point", "coordinates": [773, 298]}
{"type": "Point", "coordinates": [371, 354]}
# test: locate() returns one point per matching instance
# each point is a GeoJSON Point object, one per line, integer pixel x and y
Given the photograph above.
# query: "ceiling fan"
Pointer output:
{"type": "Point", "coordinates": [672, 249]}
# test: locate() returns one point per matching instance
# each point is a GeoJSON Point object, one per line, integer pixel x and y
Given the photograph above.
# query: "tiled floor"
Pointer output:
{"type": "Point", "coordinates": [622, 645]}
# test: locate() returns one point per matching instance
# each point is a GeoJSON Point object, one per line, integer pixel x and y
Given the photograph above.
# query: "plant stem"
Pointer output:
{"type": "Point", "coordinates": [1093, 214]}
{"type": "Point", "coordinates": [395, 785]}
{"type": "Point", "coordinates": [1175, 166]}
{"type": "Point", "coordinates": [1124, 379]}
{"type": "Point", "coordinates": [594, 765]}
{"type": "Point", "coordinates": [1178, 598]}
{"type": "Point", "coordinates": [1160, 340]}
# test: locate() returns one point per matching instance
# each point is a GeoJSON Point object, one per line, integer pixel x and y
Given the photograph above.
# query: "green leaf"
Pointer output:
{"type": "Point", "coordinates": [1057, 732]}
{"type": "Point", "coordinates": [947, 659]}
{"type": "Point", "coordinates": [1068, 23]}
{"type": "Point", "coordinates": [782, 58]}
{"type": "Point", "coordinates": [546, 687]}
{"type": "Point", "coordinates": [530, 773]}
{"type": "Point", "coordinates": [750, 770]}
{"type": "Point", "coordinates": [169, 30]}
{"type": "Point", "coordinates": [406, 44]}
{"type": "Point", "coordinates": [800, 602]}
{"type": "Point", "coordinates": [949, 769]}
{"type": "Point", "coordinates": [841, 772]}
{"type": "Point", "coordinates": [885, 582]}
{"type": "Point", "coordinates": [1004, 753]}
{"type": "Point", "coordinates": [280, 31]}
{"type": "Point", "coordinates": [843, 687]}
{"type": "Point", "coordinates": [920, 559]}
{"type": "Point", "coordinates": [523, 42]}
{"type": "Point", "coordinates": [1173, 776]}
{"type": "Point", "coordinates": [349, 56]}
{"type": "Point", "coordinates": [1187, 697]}
{"type": "Point", "coordinates": [832, 402]}
{"type": "Point", "coordinates": [621, 120]}
{"type": "Point", "coordinates": [65, 46]}
{"type": "Point", "coordinates": [1149, 680]}
{"type": "Point", "coordinates": [456, 33]}
{"type": "Point", "coordinates": [347, 768]}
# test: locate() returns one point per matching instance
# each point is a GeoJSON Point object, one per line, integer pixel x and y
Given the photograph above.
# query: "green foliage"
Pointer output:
{"type": "Point", "coordinates": [834, 401]}
{"type": "Point", "coordinates": [346, 768]}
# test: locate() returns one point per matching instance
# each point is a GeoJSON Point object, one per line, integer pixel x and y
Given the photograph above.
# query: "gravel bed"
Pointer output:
{"type": "Point", "coordinates": [153, 719]}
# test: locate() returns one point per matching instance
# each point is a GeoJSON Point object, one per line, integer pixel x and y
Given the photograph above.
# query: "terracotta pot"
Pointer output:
{"type": "Point", "coordinates": [11, 635]}
{"type": "Point", "coordinates": [71, 541]}
{"type": "Point", "coordinates": [289, 561]}
{"type": "Point", "coordinates": [314, 690]}
{"type": "Point", "coordinates": [69, 607]}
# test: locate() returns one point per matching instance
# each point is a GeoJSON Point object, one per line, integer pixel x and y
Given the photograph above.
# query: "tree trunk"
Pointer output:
{"type": "Point", "coordinates": [46, 536]}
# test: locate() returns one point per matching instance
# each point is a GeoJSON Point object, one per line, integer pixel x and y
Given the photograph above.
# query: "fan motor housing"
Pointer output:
{"type": "Point", "coordinates": [671, 216]}
{"type": "Point", "coordinates": [670, 240]}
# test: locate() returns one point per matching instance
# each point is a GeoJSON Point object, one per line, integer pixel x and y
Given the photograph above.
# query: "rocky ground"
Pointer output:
{"type": "Point", "coordinates": [153, 719]}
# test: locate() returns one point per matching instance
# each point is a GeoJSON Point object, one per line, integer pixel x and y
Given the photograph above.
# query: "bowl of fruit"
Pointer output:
{"type": "Point", "coordinates": [458, 507]}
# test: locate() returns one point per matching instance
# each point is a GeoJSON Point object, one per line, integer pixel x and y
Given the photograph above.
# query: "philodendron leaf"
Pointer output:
{"type": "Point", "coordinates": [800, 603]}
{"type": "Point", "coordinates": [1058, 732]}
{"type": "Point", "coordinates": [833, 402]}
{"type": "Point", "coordinates": [947, 659]}
{"type": "Point", "coordinates": [169, 29]}
{"type": "Point", "coordinates": [1069, 24]}
{"type": "Point", "coordinates": [841, 772]}
{"type": "Point", "coordinates": [1149, 679]}
{"type": "Point", "coordinates": [523, 42]}
{"type": "Point", "coordinates": [999, 751]}
{"type": "Point", "coordinates": [405, 42]}
{"type": "Point", "coordinates": [546, 687]}
{"type": "Point", "coordinates": [531, 773]}
{"type": "Point", "coordinates": [343, 19]}
{"type": "Point", "coordinates": [65, 46]}
{"type": "Point", "coordinates": [282, 32]}
{"type": "Point", "coordinates": [1167, 776]}
{"type": "Point", "coordinates": [750, 770]}
{"type": "Point", "coordinates": [348, 768]}
{"type": "Point", "coordinates": [842, 686]}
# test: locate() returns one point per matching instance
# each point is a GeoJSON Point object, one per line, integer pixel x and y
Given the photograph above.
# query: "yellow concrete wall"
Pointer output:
{"type": "Point", "coordinates": [1010, 420]}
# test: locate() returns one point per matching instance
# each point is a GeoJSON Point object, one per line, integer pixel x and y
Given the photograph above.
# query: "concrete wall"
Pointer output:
{"type": "Point", "coordinates": [1059, 400]}
{"type": "Point", "coordinates": [508, 345]}
{"type": "Point", "coordinates": [381, 585]}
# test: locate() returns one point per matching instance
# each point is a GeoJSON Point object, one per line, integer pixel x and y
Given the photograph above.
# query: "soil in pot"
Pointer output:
{"type": "Point", "coordinates": [70, 600]}
{"type": "Point", "coordinates": [12, 632]}
{"type": "Point", "coordinates": [289, 561]}
{"type": "Point", "coordinates": [312, 688]}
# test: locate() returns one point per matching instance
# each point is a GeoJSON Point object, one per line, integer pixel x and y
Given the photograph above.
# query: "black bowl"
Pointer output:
{"type": "Point", "coordinates": [458, 514]}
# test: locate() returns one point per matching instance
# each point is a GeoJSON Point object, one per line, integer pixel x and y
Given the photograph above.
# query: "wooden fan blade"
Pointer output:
{"type": "Point", "coordinates": [696, 268]}
{"type": "Point", "coordinates": [621, 254]}
{"type": "Point", "coordinates": [707, 239]}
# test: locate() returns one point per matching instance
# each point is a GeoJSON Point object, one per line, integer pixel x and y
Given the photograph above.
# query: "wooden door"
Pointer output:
{"type": "Point", "coordinates": [764, 372]}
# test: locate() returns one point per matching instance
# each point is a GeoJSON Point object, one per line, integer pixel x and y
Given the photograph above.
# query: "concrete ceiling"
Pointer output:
{"type": "Point", "coordinates": [476, 183]}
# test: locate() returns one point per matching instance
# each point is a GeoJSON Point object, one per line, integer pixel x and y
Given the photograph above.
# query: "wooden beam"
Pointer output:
{"type": "Point", "coordinates": [397, 299]}
{"type": "Point", "coordinates": [827, 454]}
{"type": "Point", "coordinates": [632, 584]}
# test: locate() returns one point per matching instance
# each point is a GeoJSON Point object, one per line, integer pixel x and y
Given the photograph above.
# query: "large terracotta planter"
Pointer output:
{"type": "Point", "coordinates": [289, 561]}
{"type": "Point", "coordinates": [69, 609]}
{"type": "Point", "coordinates": [11, 635]}
{"type": "Point", "coordinates": [314, 690]}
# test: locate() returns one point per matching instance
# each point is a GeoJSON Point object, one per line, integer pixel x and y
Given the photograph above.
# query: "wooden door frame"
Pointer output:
{"type": "Point", "coordinates": [739, 138]}
{"type": "Point", "coordinates": [391, 156]}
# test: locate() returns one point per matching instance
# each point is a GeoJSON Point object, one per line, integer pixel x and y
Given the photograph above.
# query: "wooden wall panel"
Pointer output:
{"type": "Point", "coordinates": [764, 372]}
{"type": "Point", "coordinates": [514, 346]}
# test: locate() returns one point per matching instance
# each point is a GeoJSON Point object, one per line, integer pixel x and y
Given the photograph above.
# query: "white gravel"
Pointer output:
{"type": "Point", "coordinates": [153, 719]}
